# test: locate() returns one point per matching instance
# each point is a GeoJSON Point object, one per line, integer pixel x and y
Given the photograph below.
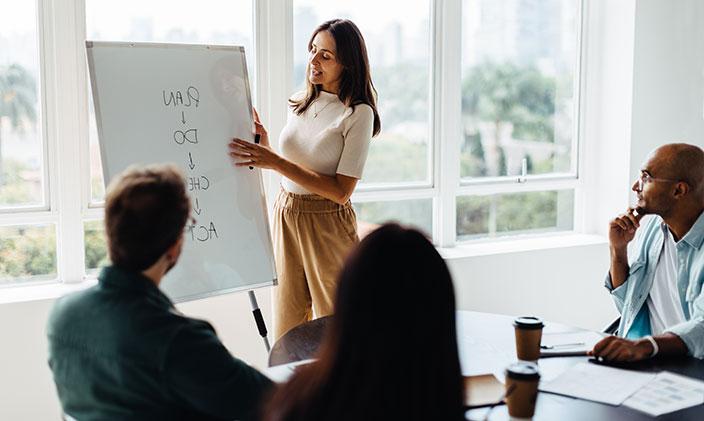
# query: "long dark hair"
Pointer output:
{"type": "Point", "coordinates": [356, 85]}
{"type": "Point", "coordinates": [391, 349]}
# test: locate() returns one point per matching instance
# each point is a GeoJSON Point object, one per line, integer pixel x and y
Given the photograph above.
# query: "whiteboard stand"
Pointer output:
{"type": "Point", "coordinates": [259, 320]}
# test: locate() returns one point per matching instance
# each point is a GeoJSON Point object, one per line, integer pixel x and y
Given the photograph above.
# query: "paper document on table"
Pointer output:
{"type": "Point", "coordinates": [667, 392]}
{"type": "Point", "coordinates": [597, 383]}
{"type": "Point", "coordinates": [477, 358]}
{"type": "Point", "coordinates": [572, 343]}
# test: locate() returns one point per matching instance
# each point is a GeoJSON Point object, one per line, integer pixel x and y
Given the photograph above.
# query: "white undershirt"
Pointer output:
{"type": "Point", "coordinates": [328, 138]}
{"type": "Point", "coordinates": [664, 301]}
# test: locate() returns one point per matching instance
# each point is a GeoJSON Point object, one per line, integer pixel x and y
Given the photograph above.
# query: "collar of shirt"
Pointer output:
{"type": "Point", "coordinates": [130, 280]}
{"type": "Point", "coordinates": [695, 235]}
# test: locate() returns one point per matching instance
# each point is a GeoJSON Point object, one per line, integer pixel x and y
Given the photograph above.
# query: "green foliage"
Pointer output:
{"type": "Point", "coordinates": [418, 213]}
{"type": "Point", "coordinates": [18, 95]}
{"type": "Point", "coordinates": [27, 252]}
{"type": "Point", "coordinates": [96, 250]}
{"type": "Point", "coordinates": [394, 159]}
{"type": "Point", "coordinates": [403, 93]}
{"type": "Point", "coordinates": [529, 163]}
{"type": "Point", "coordinates": [509, 93]}
{"type": "Point", "coordinates": [502, 93]}
{"type": "Point", "coordinates": [509, 213]}
{"type": "Point", "coordinates": [526, 211]}
{"type": "Point", "coordinates": [473, 215]}
{"type": "Point", "coordinates": [472, 159]}
{"type": "Point", "coordinates": [15, 190]}
{"type": "Point", "coordinates": [503, 170]}
{"type": "Point", "coordinates": [18, 98]}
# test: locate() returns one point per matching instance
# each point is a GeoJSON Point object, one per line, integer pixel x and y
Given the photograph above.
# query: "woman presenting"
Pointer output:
{"type": "Point", "coordinates": [324, 147]}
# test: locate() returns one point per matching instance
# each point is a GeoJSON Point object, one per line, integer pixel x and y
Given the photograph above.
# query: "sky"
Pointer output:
{"type": "Point", "coordinates": [17, 16]}
{"type": "Point", "coordinates": [113, 18]}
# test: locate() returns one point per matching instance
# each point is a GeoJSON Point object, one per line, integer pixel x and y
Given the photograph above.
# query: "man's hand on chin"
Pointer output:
{"type": "Point", "coordinates": [613, 348]}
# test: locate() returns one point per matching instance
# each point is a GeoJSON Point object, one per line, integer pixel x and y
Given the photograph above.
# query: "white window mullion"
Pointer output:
{"type": "Point", "coordinates": [83, 125]}
{"type": "Point", "coordinates": [447, 36]}
{"type": "Point", "coordinates": [274, 45]}
{"type": "Point", "coordinates": [579, 137]}
{"type": "Point", "coordinates": [507, 188]}
{"type": "Point", "coordinates": [392, 195]}
{"type": "Point", "coordinates": [30, 218]}
{"type": "Point", "coordinates": [62, 40]}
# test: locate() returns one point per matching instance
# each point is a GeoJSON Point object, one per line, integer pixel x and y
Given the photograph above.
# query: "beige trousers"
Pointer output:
{"type": "Point", "coordinates": [312, 236]}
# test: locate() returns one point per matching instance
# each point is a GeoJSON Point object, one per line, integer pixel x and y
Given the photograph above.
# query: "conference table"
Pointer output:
{"type": "Point", "coordinates": [497, 330]}
{"type": "Point", "coordinates": [477, 332]}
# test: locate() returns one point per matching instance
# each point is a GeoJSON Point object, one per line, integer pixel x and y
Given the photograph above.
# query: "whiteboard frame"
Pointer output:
{"type": "Point", "coordinates": [89, 44]}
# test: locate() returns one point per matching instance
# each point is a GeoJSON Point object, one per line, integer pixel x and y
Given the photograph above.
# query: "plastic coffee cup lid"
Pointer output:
{"type": "Point", "coordinates": [523, 371]}
{"type": "Point", "coordinates": [528, 322]}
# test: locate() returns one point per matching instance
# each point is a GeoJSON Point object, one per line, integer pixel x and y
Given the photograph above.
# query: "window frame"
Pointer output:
{"type": "Point", "coordinates": [445, 133]}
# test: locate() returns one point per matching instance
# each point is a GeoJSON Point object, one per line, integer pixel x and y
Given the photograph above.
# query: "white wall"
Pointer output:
{"type": "Point", "coordinates": [668, 76]}
{"type": "Point", "coordinates": [562, 284]}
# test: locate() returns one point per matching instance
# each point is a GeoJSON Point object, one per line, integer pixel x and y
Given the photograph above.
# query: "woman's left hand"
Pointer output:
{"type": "Point", "coordinates": [250, 154]}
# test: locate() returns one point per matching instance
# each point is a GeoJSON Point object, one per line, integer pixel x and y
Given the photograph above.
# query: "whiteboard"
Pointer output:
{"type": "Point", "coordinates": [182, 103]}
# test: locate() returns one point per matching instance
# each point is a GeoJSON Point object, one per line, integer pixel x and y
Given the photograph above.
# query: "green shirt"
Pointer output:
{"type": "Point", "coordinates": [120, 350]}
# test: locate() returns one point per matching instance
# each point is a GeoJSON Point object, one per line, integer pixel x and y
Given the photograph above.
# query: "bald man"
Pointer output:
{"type": "Point", "coordinates": [659, 294]}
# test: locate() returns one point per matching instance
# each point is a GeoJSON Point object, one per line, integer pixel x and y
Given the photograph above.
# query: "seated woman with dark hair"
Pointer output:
{"type": "Point", "coordinates": [391, 349]}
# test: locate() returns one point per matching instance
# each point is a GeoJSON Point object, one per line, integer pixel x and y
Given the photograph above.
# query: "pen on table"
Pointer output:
{"type": "Point", "coordinates": [256, 140]}
{"type": "Point", "coordinates": [560, 345]}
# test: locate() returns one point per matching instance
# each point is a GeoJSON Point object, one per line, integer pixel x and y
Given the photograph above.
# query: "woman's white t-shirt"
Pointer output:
{"type": "Point", "coordinates": [329, 138]}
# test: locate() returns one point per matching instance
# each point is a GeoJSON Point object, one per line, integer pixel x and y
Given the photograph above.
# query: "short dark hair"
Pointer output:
{"type": "Point", "coordinates": [390, 351]}
{"type": "Point", "coordinates": [146, 209]}
{"type": "Point", "coordinates": [356, 86]}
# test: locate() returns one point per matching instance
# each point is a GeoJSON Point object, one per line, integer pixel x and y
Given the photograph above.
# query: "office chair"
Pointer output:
{"type": "Point", "coordinates": [300, 343]}
{"type": "Point", "coordinates": [612, 328]}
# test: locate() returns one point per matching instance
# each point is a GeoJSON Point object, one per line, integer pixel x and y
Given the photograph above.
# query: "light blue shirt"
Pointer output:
{"type": "Point", "coordinates": [631, 296]}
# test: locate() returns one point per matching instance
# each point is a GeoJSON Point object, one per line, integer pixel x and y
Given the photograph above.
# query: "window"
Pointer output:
{"type": "Point", "coordinates": [27, 246]}
{"type": "Point", "coordinates": [519, 102]}
{"type": "Point", "coordinates": [479, 102]}
{"type": "Point", "coordinates": [415, 212]}
{"type": "Point", "coordinates": [514, 213]}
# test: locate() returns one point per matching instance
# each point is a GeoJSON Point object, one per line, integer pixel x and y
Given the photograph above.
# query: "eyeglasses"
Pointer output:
{"type": "Point", "coordinates": [645, 178]}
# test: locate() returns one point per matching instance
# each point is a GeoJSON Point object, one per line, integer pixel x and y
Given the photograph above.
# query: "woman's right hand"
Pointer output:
{"type": "Point", "coordinates": [260, 129]}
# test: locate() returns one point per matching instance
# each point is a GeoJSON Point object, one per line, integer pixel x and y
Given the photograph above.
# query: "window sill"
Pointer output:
{"type": "Point", "coordinates": [39, 292]}
{"type": "Point", "coordinates": [519, 244]}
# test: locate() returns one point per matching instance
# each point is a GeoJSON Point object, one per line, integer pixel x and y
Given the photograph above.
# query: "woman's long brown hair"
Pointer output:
{"type": "Point", "coordinates": [391, 349]}
{"type": "Point", "coordinates": [356, 85]}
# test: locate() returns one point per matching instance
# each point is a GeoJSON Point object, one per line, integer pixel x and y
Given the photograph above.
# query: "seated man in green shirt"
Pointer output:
{"type": "Point", "coordinates": [120, 350]}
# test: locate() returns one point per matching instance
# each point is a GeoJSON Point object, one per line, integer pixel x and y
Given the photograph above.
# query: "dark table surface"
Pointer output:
{"type": "Point", "coordinates": [498, 331]}
{"type": "Point", "coordinates": [477, 330]}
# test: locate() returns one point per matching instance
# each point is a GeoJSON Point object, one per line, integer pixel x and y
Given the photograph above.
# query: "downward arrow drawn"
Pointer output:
{"type": "Point", "coordinates": [183, 118]}
{"type": "Point", "coordinates": [197, 208]}
{"type": "Point", "coordinates": [191, 165]}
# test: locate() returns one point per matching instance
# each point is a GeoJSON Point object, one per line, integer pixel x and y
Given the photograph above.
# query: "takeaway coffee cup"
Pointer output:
{"type": "Point", "coordinates": [529, 331]}
{"type": "Point", "coordinates": [522, 389]}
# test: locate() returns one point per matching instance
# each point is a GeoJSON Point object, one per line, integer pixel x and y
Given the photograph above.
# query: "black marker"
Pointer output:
{"type": "Point", "coordinates": [256, 141]}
